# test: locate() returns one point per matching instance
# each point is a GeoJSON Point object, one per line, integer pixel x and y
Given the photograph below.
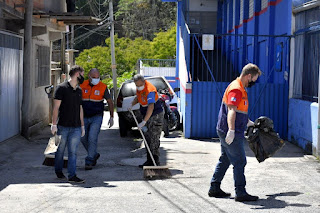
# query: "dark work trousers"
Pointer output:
{"type": "Point", "coordinates": [154, 125]}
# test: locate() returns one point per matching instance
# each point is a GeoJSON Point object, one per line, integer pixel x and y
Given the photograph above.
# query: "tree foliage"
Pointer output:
{"type": "Point", "coordinates": [144, 18]}
{"type": "Point", "coordinates": [127, 53]}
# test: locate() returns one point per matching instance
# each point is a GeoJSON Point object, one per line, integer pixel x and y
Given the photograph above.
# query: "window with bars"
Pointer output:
{"type": "Point", "coordinates": [251, 8]}
{"type": "Point", "coordinates": [42, 66]}
{"type": "Point", "coordinates": [234, 14]}
{"type": "Point", "coordinates": [241, 11]}
{"type": "Point", "coordinates": [228, 18]}
{"type": "Point", "coordinates": [264, 4]}
{"type": "Point", "coordinates": [307, 55]}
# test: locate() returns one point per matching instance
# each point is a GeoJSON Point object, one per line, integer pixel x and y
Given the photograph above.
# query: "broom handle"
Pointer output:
{"type": "Point", "coordinates": [144, 139]}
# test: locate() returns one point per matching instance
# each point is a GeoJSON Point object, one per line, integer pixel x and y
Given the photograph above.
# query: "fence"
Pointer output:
{"type": "Point", "coordinates": [212, 70]}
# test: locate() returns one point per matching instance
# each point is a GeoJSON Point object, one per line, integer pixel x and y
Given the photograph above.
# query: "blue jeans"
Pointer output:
{"type": "Point", "coordinates": [90, 140]}
{"type": "Point", "coordinates": [232, 154]}
{"type": "Point", "coordinates": [70, 137]}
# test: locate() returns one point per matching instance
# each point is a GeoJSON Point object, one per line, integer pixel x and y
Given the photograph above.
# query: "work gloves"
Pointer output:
{"type": "Point", "coordinates": [140, 125]}
{"type": "Point", "coordinates": [54, 129]}
{"type": "Point", "coordinates": [83, 131]}
{"type": "Point", "coordinates": [250, 123]}
{"type": "Point", "coordinates": [230, 136]}
{"type": "Point", "coordinates": [110, 123]}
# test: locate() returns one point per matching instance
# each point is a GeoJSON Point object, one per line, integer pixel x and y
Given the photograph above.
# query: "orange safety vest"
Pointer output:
{"type": "Point", "coordinates": [244, 104]}
{"type": "Point", "coordinates": [143, 94]}
{"type": "Point", "coordinates": [93, 93]}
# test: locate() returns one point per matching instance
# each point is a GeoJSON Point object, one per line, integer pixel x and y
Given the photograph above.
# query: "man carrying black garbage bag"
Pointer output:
{"type": "Point", "coordinates": [232, 122]}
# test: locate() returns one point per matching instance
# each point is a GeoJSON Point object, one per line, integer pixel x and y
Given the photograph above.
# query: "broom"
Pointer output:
{"type": "Point", "coordinates": [152, 172]}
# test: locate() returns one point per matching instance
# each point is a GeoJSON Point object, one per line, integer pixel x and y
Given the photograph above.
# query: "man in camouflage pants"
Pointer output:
{"type": "Point", "coordinates": [152, 112]}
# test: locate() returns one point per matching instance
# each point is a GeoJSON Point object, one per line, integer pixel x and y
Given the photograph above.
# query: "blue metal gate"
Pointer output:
{"type": "Point", "coordinates": [213, 70]}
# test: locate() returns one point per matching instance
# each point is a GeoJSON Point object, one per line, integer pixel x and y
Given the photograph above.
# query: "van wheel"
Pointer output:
{"type": "Point", "coordinates": [123, 127]}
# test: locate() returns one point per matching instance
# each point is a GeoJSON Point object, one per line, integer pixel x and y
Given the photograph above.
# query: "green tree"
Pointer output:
{"type": "Point", "coordinates": [127, 53]}
{"type": "Point", "coordinates": [164, 44]}
{"type": "Point", "coordinates": [143, 18]}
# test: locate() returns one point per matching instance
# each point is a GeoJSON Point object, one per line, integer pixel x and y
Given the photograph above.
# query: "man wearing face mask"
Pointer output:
{"type": "Point", "coordinates": [232, 122]}
{"type": "Point", "coordinates": [67, 121]}
{"type": "Point", "coordinates": [152, 112]}
{"type": "Point", "coordinates": [93, 94]}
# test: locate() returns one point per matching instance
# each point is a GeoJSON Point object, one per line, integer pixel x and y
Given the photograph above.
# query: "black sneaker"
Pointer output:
{"type": "Point", "coordinates": [88, 167]}
{"type": "Point", "coordinates": [218, 193]}
{"type": "Point", "coordinates": [95, 159]}
{"type": "Point", "coordinates": [75, 179]}
{"type": "Point", "coordinates": [246, 197]}
{"type": "Point", "coordinates": [60, 175]}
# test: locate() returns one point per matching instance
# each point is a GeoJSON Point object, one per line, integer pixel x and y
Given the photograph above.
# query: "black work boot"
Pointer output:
{"type": "Point", "coordinates": [246, 197]}
{"type": "Point", "coordinates": [216, 192]}
{"type": "Point", "coordinates": [156, 159]}
{"type": "Point", "coordinates": [148, 162]}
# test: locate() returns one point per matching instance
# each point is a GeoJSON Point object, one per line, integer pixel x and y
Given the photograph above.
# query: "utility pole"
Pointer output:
{"type": "Point", "coordinates": [27, 75]}
{"type": "Point", "coordinates": [113, 58]}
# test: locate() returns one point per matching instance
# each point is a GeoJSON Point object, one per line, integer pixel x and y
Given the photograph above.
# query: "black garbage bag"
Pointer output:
{"type": "Point", "coordinates": [262, 139]}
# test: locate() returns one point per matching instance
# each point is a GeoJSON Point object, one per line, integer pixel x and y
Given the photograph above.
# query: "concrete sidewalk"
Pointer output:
{"type": "Point", "coordinates": [288, 182]}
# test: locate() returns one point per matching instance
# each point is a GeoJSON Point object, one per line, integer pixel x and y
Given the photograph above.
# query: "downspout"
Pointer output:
{"type": "Point", "coordinates": [179, 10]}
{"type": "Point", "coordinates": [27, 57]}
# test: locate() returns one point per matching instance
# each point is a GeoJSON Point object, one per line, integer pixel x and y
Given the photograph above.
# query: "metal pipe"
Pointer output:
{"type": "Point", "coordinates": [306, 6]}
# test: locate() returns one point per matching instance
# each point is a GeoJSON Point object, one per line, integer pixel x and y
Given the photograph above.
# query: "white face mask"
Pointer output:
{"type": "Point", "coordinates": [140, 88]}
{"type": "Point", "coordinates": [95, 81]}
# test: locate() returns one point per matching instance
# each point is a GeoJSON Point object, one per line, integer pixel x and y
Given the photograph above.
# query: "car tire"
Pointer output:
{"type": "Point", "coordinates": [165, 127]}
{"type": "Point", "coordinates": [123, 127]}
{"type": "Point", "coordinates": [178, 127]}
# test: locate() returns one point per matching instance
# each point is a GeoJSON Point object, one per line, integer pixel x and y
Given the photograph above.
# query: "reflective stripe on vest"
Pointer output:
{"type": "Point", "coordinates": [244, 104]}
{"type": "Point", "coordinates": [143, 94]}
{"type": "Point", "coordinates": [93, 93]}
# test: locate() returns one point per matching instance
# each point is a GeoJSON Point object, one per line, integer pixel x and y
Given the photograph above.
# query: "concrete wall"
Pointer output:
{"type": "Point", "coordinates": [301, 124]}
{"type": "Point", "coordinates": [57, 6]}
{"type": "Point", "coordinates": [39, 112]}
{"type": "Point", "coordinates": [202, 16]}
{"type": "Point", "coordinates": [203, 5]}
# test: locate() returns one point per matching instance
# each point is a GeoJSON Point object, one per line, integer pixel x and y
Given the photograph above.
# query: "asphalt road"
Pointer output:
{"type": "Point", "coordinates": [288, 182]}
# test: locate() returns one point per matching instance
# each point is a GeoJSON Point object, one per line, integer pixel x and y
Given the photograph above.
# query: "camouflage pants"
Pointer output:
{"type": "Point", "coordinates": [154, 125]}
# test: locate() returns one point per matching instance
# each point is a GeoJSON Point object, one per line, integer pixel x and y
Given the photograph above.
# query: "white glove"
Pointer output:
{"type": "Point", "coordinates": [83, 131]}
{"type": "Point", "coordinates": [250, 123]}
{"type": "Point", "coordinates": [230, 136]}
{"type": "Point", "coordinates": [130, 108]}
{"type": "Point", "coordinates": [140, 125]}
{"type": "Point", "coordinates": [54, 129]}
{"type": "Point", "coordinates": [110, 122]}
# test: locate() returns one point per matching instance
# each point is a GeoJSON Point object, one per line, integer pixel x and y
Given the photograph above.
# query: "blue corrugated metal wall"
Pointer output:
{"type": "Point", "coordinates": [269, 97]}
{"type": "Point", "coordinates": [264, 100]}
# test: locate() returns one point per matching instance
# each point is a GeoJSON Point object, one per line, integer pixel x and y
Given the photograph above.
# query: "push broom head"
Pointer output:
{"type": "Point", "coordinates": [156, 172]}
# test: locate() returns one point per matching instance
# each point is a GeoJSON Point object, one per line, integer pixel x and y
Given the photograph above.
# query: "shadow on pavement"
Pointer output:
{"type": "Point", "coordinates": [21, 161]}
{"type": "Point", "coordinates": [272, 203]}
